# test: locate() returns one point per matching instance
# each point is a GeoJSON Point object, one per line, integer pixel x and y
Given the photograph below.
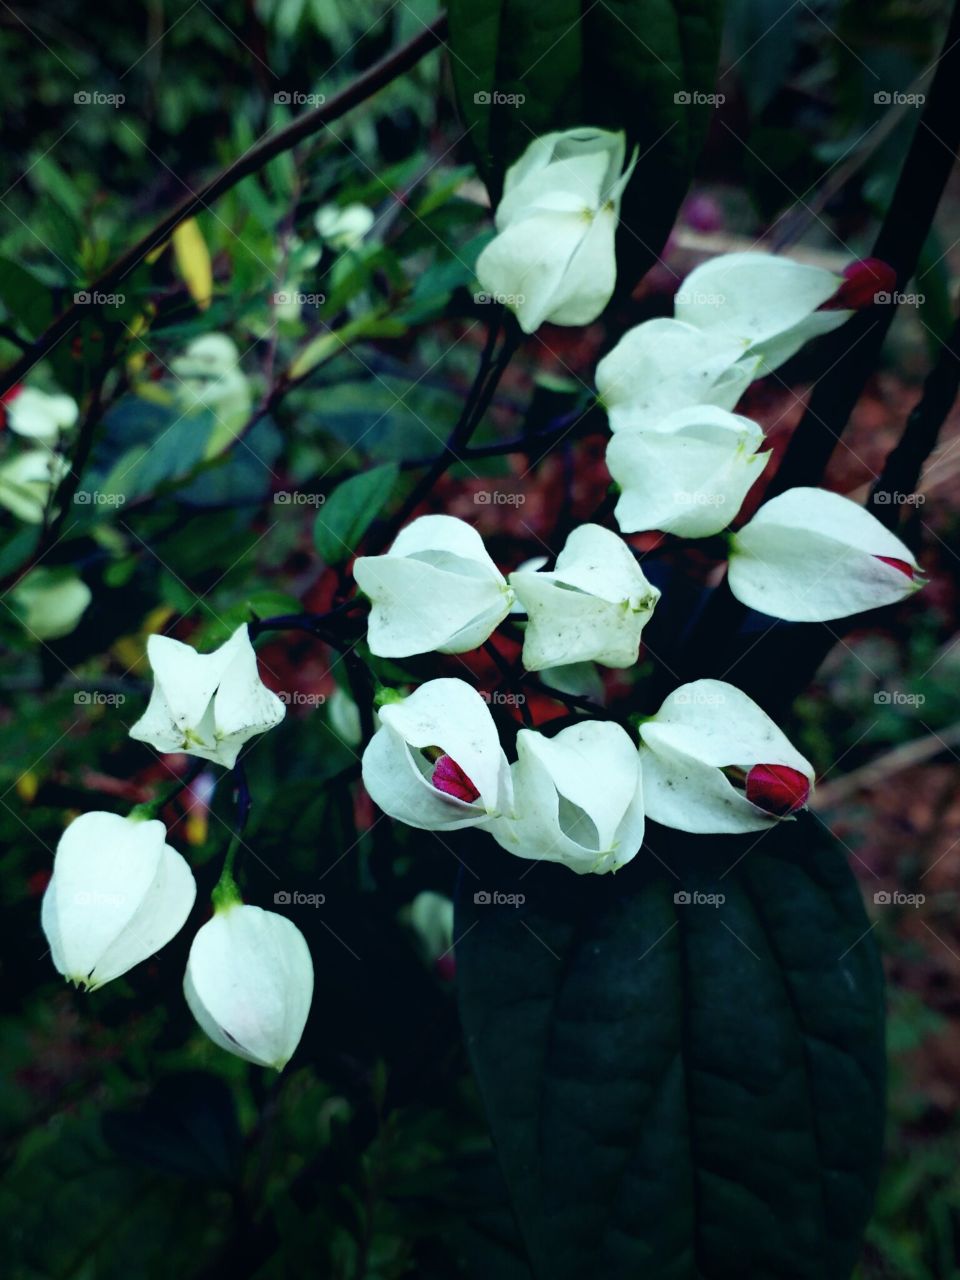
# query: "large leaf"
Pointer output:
{"type": "Point", "coordinates": [351, 509]}
{"type": "Point", "coordinates": [523, 68]}
{"type": "Point", "coordinates": [680, 1090]}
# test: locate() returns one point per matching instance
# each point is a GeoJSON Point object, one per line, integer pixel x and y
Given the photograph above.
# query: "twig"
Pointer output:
{"type": "Point", "coordinates": [905, 756]}
{"type": "Point", "coordinates": [364, 86]}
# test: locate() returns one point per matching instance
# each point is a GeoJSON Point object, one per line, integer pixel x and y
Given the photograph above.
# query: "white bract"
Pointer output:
{"type": "Point", "coordinates": [714, 762]}
{"type": "Point", "coordinates": [663, 365]}
{"type": "Point", "coordinates": [27, 480]}
{"type": "Point", "coordinates": [118, 893]}
{"type": "Point", "coordinates": [770, 304]}
{"type": "Point", "coordinates": [809, 556]}
{"type": "Point", "coordinates": [343, 228]}
{"type": "Point", "coordinates": [52, 602]}
{"type": "Point", "coordinates": [40, 416]}
{"type": "Point", "coordinates": [578, 798]}
{"type": "Point", "coordinates": [207, 704]}
{"type": "Point", "coordinates": [431, 918]}
{"type": "Point", "coordinates": [209, 377]}
{"type": "Point", "coordinates": [435, 589]}
{"type": "Point", "coordinates": [436, 761]}
{"type": "Point", "coordinates": [553, 258]}
{"type": "Point", "coordinates": [687, 476]}
{"type": "Point", "coordinates": [249, 983]}
{"type": "Point", "coordinates": [592, 607]}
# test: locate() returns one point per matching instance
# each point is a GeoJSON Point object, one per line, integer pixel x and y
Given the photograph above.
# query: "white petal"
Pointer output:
{"type": "Point", "coordinates": [243, 705]}
{"type": "Point", "coordinates": [526, 263]}
{"type": "Point", "coordinates": [810, 556]}
{"type": "Point", "coordinates": [753, 296]}
{"type": "Point", "coordinates": [397, 786]}
{"type": "Point", "coordinates": [591, 274]}
{"type": "Point", "coordinates": [689, 477]}
{"type": "Point", "coordinates": [249, 984]}
{"type": "Point", "coordinates": [663, 365]}
{"type": "Point", "coordinates": [688, 795]}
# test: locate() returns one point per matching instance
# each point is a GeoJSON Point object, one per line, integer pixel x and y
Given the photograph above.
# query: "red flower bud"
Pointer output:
{"type": "Point", "coordinates": [902, 565]}
{"type": "Point", "coordinates": [449, 778]}
{"type": "Point", "coordinates": [777, 789]}
{"type": "Point", "coordinates": [862, 281]}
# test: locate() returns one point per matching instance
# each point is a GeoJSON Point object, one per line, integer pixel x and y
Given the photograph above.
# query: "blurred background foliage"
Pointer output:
{"type": "Point", "coordinates": [132, 1146]}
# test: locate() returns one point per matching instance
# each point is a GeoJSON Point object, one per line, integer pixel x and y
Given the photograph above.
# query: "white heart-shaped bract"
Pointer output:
{"type": "Point", "coordinates": [663, 365]}
{"type": "Point", "coordinates": [249, 983]}
{"type": "Point", "coordinates": [27, 480]}
{"type": "Point", "coordinates": [118, 894]}
{"type": "Point", "coordinates": [206, 704]}
{"type": "Point", "coordinates": [431, 918]}
{"type": "Point", "coordinates": [450, 716]}
{"type": "Point", "coordinates": [592, 607]}
{"type": "Point", "coordinates": [701, 729]}
{"type": "Point", "coordinates": [436, 589]}
{"type": "Point", "coordinates": [40, 416]}
{"type": "Point", "coordinates": [690, 475]}
{"type": "Point", "coordinates": [208, 375]}
{"type": "Point", "coordinates": [577, 798]}
{"type": "Point", "coordinates": [768, 302]}
{"type": "Point", "coordinates": [553, 258]}
{"type": "Point", "coordinates": [52, 600]}
{"type": "Point", "coordinates": [809, 555]}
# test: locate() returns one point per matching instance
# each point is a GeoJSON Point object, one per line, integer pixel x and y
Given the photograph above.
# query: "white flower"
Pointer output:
{"type": "Point", "coordinates": [663, 365]}
{"type": "Point", "coordinates": [553, 258]}
{"type": "Point", "coordinates": [53, 601]}
{"type": "Point", "coordinates": [714, 762]}
{"type": "Point", "coordinates": [209, 377]}
{"type": "Point", "coordinates": [436, 760]}
{"type": "Point", "coordinates": [578, 798]}
{"type": "Point", "coordinates": [208, 704]}
{"type": "Point", "coordinates": [771, 304]}
{"type": "Point", "coordinates": [809, 556]}
{"type": "Point", "coordinates": [118, 893]}
{"type": "Point", "coordinates": [592, 607]}
{"type": "Point", "coordinates": [249, 983]}
{"type": "Point", "coordinates": [689, 475]}
{"type": "Point", "coordinates": [344, 228]}
{"type": "Point", "coordinates": [27, 480]}
{"type": "Point", "coordinates": [40, 416]}
{"type": "Point", "coordinates": [435, 589]}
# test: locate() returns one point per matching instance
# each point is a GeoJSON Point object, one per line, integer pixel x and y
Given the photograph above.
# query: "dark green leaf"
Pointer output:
{"type": "Point", "coordinates": [349, 511]}
{"type": "Point", "coordinates": [681, 1090]}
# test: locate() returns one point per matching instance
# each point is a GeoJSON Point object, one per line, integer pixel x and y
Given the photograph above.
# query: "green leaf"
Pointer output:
{"type": "Point", "coordinates": [522, 68]}
{"type": "Point", "coordinates": [350, 510]}
{"type": "Point", "coordinates": [25, 297]}
{"type": "Point", "coordinates": [681, 1090]}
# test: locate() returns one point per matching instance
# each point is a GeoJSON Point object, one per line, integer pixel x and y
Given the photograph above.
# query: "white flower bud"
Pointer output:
{"type": "Point", "coordinates": [118, 893]}
{"type": "Point", "coordinates": [249, 983]}
{"type": "Point", "coordinates": [40, 416]}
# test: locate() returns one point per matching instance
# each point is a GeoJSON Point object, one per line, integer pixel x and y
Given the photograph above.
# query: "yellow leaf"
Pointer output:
{"type": "Point", "coordinates": [193, 262]}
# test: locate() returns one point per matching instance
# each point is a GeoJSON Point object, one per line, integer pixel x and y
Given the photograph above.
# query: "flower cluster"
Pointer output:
{"type": "Point", "coordinates": [119, 892]}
